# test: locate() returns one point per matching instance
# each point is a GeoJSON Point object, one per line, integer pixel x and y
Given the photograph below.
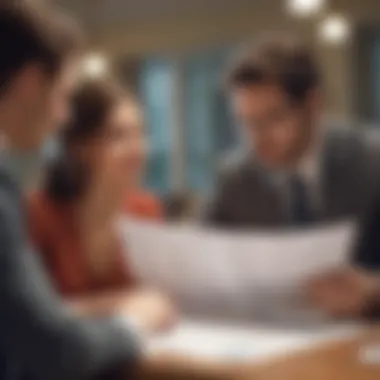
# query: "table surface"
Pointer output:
{"type": "Point", "coordinates": [338, 360]}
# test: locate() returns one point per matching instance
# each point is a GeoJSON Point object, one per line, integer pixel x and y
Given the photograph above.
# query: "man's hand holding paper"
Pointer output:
{"type": "Point", "coordinates": [245, 270]}
{"type": "Point", "coordinates": [347, 292]}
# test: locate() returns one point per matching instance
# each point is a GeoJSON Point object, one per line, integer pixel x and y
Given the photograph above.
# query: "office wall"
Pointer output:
{"type": "Point", "coordinates": [201, 27]}
{"type": "Point", "coordinates": [188, 36]}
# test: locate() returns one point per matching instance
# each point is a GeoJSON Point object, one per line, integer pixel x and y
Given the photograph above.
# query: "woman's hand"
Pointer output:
{"type": "Point", "coordinates": [150, 310]}
{"type": "Point", "coordinates": [345, 293]}
{"type": "Point", "coordinates": [97, 305]}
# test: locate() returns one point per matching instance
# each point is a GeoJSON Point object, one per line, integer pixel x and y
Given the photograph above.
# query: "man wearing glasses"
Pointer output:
{"type": "Point", "coordinates": [298, 170]}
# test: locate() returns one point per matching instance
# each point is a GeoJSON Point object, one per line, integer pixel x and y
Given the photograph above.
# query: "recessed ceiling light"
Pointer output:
{"type": "Point", "coordinates": [95, 65]}
{"type": "Point", "coordinates": [305, 8]}
{"type": "Point", "coordinates": [334, 29]}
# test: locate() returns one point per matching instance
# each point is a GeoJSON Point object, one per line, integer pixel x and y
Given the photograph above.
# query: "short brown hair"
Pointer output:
{"type": "Point", "coordinates": [284, 61]}
{"type": "Point", "coordinates": [34, 32]}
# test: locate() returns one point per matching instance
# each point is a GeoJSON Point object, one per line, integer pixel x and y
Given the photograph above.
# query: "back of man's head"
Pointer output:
{"type": "Point", "coordinates": [32, 32]}
{"type": "Point", "coordinates": [285, 61]}
{"type": "Point", "coordinates": [37, 45]}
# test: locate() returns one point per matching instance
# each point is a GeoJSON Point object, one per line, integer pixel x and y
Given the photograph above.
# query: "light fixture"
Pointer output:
{"type": "Point", "coordinates": [305, 8]}
{"type": "Point", "coordinates": [334, 29]}
{"type": "Point", "coordinates": [95, 65]}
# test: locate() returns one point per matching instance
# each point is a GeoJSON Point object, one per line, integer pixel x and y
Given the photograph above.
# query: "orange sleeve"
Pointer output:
{"type": "Point", "coordinates": [144, 205]}
{"type": "Point", "coordinates": [43, 230]}
{"type": "Point", "coordinates": [154, 209]}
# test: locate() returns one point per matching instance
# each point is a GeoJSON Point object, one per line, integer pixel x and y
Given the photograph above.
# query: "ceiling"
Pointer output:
{"type": "Point", "coordinates": [102, 13]}
{"type": "Point", "coordinates": [146, 23]}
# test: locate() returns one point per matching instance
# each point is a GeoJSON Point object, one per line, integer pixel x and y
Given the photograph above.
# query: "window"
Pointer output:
{"type": "Point", "coordinates": [157, 93]}
{"type": "Point", "coordinates": [366, 58]}
{"type": "Point", "coordinates": [185, 95]}
{"type": "Point", "coordinates": [208, 130]}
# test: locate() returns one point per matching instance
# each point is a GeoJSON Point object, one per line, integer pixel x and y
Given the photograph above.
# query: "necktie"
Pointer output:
{"type": "Point", "coordinates": [302, 210]}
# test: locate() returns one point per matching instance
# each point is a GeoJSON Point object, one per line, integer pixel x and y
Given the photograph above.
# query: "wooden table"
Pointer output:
{"type": "Point", "coordinates": [338, 360]}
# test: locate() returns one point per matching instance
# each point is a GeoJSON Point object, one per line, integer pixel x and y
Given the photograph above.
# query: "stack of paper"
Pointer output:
{"type": "Point", "coordinates": [231, 343]}
{"type": "Point", "coordinates": [257, 277]}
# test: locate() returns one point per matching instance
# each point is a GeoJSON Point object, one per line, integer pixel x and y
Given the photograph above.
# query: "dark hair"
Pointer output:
{"type": "Point", "coordinates": [33, 32]}
{"type": "Point", "coordinates": [284, 61]}
{"type": "Point", "coordinates": [66, 178]}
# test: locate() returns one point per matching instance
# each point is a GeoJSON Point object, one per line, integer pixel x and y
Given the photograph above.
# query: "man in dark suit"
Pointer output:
{"type": "Point", "coordinates": [39, 338]}
{"type": "Point", "coordinates": [297, 170]}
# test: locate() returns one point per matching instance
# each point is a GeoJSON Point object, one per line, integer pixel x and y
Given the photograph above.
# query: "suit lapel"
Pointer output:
{"type": "Point", "coordinates": [271, 193]}
{"type": "Point", "coordinates": [337, 184]}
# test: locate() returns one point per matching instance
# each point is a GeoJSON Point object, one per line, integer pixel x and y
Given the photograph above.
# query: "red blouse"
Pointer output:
{"type": "Point", "coordinates": [53, 233]}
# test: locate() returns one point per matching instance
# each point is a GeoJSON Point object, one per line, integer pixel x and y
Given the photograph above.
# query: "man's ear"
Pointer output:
{"type": "Point", "coordinates": [30, 81]}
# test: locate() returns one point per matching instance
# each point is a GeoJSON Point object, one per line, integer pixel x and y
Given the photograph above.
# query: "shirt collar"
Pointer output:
{"type": "Point", "coordinates": [308, 167]}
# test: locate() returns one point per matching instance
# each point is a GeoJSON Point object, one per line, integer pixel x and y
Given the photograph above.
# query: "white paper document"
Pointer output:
{"type": "Point", "coordinates": [257, 276]}
{"type": "Point", "coordinates": [239, 344]}
{"type": "Point", "coordinates": [235, 271]}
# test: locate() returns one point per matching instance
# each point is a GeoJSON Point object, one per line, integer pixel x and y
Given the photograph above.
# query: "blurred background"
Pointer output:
{"type": "Point", "coordinates": [173, 53]}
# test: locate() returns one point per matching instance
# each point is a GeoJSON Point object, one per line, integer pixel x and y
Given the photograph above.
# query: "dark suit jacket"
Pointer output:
{"type": "Point", "coordinates": [367, 252]}
{"type": "Point", "coordinates": [246, 195]}
{"type": "Point", "coordinates": [38, 339]}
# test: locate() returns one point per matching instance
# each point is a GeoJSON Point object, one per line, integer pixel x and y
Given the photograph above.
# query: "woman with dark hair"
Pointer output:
{"type": "Point", "coordinates": [96, 176]}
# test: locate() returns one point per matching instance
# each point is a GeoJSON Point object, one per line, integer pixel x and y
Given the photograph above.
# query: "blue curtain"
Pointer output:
{"type": "Point", "coordinates": [156, 92]}
{"type": "Point", "coordinates": [208, 128]}
{"type": "Point", "coordinates": [209, 131]}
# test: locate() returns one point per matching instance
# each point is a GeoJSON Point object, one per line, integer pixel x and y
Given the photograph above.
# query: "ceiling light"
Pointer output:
{"type": "Point", "coordinates": [95, 65]}
{"type": "Point", "coordinates": [334, 29]}
{"type": "Point", "coordinates": [305, 8]}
